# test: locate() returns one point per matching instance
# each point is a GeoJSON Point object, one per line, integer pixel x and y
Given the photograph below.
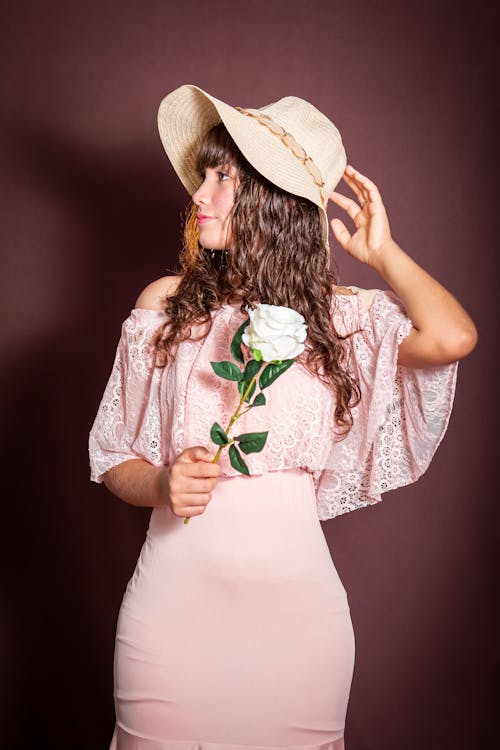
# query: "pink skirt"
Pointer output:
{"type": "Point", "coordinates": [234, 632]}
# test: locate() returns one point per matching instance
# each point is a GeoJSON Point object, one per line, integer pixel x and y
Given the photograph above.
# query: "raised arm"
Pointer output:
{"type": "Point", "coordinates": [443, 331]}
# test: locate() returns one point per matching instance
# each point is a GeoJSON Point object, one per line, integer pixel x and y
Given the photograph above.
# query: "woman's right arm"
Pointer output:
{"type": "Point", "coordinates": [138, 482]}
{"type": "Point", "coordinates": [185, 487]}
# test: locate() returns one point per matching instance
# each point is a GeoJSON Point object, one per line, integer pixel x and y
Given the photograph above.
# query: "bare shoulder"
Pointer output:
{"type": "Point", "coordinates": [365, 296]}
{"type": "Point", "coordinates": [152, 296]}
{"type": "Point", "coordinates": [343, 290]}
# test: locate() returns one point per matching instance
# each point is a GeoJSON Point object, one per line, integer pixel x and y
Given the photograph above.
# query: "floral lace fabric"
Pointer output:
{"type": "Point", "coordinates": [154, 413]}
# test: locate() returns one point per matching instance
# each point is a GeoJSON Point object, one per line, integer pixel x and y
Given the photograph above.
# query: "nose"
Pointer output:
{"type": "Point", "coordinates": [201, 195]}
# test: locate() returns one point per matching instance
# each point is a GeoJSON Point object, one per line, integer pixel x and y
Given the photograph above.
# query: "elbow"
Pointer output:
{"type": "Point", "coordinates": [423, 350]}
{"type": "Point", "coordinates": [461, 344]}
{"type": "Point", "coordinates": [106, 480]}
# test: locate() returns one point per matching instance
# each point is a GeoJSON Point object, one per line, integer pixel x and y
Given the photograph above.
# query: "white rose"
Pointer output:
{"type": "Point", "coordinates": [277, 332]}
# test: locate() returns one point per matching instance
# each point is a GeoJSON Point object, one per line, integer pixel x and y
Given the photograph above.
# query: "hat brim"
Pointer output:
{"type": "Point", "coordinates": [187, 114]}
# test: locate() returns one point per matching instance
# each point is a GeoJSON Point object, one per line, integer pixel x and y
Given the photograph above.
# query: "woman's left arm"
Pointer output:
{"type": "Point", "coordinates": [443, 331]}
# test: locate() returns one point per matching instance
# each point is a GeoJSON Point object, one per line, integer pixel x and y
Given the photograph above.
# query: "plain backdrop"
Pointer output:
{"type": "Point", "coordinates": [91, 212]}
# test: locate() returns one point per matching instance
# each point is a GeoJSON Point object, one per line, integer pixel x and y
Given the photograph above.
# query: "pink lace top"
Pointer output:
{"type": "Point", "coordinates": [154, 413]}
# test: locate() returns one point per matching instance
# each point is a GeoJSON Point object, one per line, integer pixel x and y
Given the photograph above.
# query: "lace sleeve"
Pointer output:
{"type": "Point", "coordinates": [129, 421]}
{"type": "Point", "coordinates": [401, 420]}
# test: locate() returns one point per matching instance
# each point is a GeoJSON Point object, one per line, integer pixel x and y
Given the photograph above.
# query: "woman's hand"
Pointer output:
{"type": "Point", "coordinates": [189, 482]}
{"type": "Point", "coordinates": [442, 331]}
{"type": "Point", "coordinates": [369, 216]}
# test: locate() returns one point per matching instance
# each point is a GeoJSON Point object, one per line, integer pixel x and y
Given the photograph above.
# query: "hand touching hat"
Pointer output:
{"type": "Point", "coordinates": [369, 216]}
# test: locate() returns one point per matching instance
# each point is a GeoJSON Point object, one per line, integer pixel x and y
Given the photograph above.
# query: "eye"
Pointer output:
{"type": "Point", "coordinates": [222, 174]}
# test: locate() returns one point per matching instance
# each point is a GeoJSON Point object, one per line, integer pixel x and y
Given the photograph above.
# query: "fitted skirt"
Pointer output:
{"type": "Point", "coordinates": [234, 631]}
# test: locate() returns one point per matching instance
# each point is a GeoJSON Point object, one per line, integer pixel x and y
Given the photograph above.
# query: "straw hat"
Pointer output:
{"type": "Point", "coordinates": [289, 142]}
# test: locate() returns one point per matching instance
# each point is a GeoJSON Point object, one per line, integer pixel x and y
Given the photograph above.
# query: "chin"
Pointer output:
{"type": "Point", "coordinates": [213, 245]}
{"type": "Point", "coordinates": [208, 241]}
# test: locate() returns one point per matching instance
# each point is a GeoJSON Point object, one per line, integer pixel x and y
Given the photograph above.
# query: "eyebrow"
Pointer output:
{"type": "Point", "coordinates": [226, 165]}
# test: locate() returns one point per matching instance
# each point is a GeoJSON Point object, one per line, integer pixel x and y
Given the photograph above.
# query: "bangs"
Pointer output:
{"type": "Point", "coordinates": [218, 149]}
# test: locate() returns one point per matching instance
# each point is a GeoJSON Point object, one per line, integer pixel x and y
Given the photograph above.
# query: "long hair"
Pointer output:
{"type": "Point", "coordinates": [277, 257]}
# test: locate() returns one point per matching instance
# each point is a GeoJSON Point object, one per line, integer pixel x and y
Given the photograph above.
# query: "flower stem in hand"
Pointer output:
{"type": "Point", "coordinates": [232, 421]}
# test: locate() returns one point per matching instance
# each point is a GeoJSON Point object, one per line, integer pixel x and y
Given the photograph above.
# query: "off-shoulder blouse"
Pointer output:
{"type": "Point", "coordinates": [155, 413]}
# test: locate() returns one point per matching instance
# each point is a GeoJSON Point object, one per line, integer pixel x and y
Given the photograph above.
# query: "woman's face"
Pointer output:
{"type": "Point", "coordinates": [215, 199]}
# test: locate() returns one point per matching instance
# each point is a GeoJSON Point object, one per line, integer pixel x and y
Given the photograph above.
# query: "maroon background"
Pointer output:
{"type": "Point", "coordinates": [91, 214]}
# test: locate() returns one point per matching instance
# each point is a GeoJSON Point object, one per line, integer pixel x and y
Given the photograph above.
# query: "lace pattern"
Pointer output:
{"type": "Point", "coordinates": [129, 419]}
{"type": "Point", "coordinates": [400, 422]}
{"type": "Point", "coordinates": [154, 413]}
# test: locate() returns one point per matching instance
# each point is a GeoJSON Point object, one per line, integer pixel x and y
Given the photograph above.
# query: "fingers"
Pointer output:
{"type": "Point", "coordinates": [193, 477]}
{"type": "Point", "coordinates": [182, 479]}
{"type": "Point", "coordinates": [355, 187]}
{"type": "Point", "coordinates": [198, 486]}
{"type": "Point", "coordinates": [201, 469]}
{"type": "Point", "coordinates": [195, 453]}
{"type": "Point", "coordinates": [197, 461]}
{"type": "Point", "coordinates": [368, 196]}
{"type": "Point", "coordinates": [192, 500]}
{"type": "Point", "coordinates": [190, 494]}
{"type": "Point", "coordinates": [191, 510]}
{"type": "Point", "coordinates": [348, 204]}
{"type": "Point", "coordinates": [340, 231]}
{"type": "Point", "coordinates": [365, 189]}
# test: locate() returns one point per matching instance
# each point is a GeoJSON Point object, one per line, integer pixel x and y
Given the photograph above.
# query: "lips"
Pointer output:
{"type": "Point", "coordinates": [201, 218]}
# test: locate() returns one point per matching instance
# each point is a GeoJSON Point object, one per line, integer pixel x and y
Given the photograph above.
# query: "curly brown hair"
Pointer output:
{"type": "Point", "coordinates": [277, 257]}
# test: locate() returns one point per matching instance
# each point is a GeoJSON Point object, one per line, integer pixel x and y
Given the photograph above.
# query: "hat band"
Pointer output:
{"type": "Point", "coordinates": [289, 141]}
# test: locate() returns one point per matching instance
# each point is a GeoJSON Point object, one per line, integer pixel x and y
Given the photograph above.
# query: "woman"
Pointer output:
{"type": "Point", "coordinates": [234, 632]}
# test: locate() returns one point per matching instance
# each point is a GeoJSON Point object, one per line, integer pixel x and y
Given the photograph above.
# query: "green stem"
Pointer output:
{"type": "Point", "coordinates": [235, 416]}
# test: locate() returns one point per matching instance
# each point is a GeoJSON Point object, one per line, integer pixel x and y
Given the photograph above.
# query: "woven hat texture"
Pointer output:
{"type": "Point", "coordinates": [187, 113]}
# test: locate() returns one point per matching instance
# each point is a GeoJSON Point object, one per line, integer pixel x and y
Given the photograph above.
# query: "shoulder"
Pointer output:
{"type": "Point", "coordinates": [343, 290]}
{"type": "Point", "coordinates": [365, 296]}
{"type": "Point", "coordinates": [152, 296]}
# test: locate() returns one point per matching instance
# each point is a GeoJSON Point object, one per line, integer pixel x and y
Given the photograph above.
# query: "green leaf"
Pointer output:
{"type": "Point", "coordinates": [252, 442]}
{"type": "Point", "coordinates": [235, 347]}
{"type": "Point", "coordinates": [243, 385]}
{"type": "Point", "coordinates": [218, 434]}
{"type": "Point", "coordinates": [259, 400]}
{"type": "Point", "coordinates": [237, 461]}
{"type": "Point", "coordinates": [273, 371]}
{"type": "Point", "coordinates": [227, 370]}
{"type": "Point", "coordinates": [252, 367]}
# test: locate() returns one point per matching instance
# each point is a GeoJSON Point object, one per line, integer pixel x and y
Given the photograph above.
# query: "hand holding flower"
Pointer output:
{"type": "Point", "coordinates": [275, 337]}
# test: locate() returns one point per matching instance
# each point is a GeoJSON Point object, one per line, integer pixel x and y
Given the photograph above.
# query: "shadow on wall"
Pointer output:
{"type": "Point", "coordinates": [69, 546]}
